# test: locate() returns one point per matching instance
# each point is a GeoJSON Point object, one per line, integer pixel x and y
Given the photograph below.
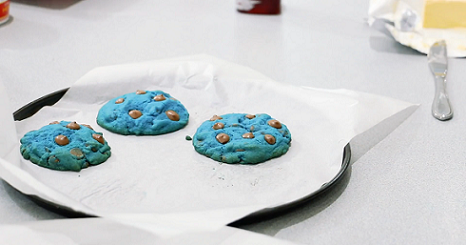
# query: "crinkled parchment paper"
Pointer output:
{"type": "Point", "coordinates": [155, 177]}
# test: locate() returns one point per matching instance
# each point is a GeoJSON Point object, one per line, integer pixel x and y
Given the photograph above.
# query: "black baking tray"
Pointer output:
{"type": "Point", "coordinates": [261, 215]}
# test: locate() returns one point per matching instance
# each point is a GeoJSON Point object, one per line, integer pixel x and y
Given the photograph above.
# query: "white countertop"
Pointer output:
{"type": "Point", "coordinates": [408, 188]}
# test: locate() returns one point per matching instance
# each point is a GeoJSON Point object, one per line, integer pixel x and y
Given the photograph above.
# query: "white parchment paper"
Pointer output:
{"type": "Point", "coordinates": [151, 177]}
{"type": "Point", "coordinates": [103, 231]}
{"type": "Point", "coordinates": [418, 38]}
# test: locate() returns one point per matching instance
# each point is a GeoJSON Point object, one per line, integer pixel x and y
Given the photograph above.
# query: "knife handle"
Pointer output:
{"type": "Point", "coordinates": [441, 108]}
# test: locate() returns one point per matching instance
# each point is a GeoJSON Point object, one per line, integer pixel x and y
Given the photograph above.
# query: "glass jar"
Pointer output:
{"type": "Point", "coordinates": [258, 6]}
{"type": "Point", "coordinates": [4, 11]}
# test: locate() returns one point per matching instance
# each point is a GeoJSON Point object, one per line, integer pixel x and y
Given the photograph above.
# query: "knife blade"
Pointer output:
{"type": "Point", "coordinates": [438, 64]}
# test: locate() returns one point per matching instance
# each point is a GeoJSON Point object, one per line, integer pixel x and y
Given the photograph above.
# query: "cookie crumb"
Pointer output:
{"type": "Point", "coordinates": [188, 137]}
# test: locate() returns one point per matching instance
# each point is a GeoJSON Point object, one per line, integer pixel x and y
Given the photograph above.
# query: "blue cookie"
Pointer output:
{"type": "Point", "coordinates": [65, 146]}
{"type": "Point", "coordinates": [143, 113]}
{"type": "Point", "coordinates": [242, 138]}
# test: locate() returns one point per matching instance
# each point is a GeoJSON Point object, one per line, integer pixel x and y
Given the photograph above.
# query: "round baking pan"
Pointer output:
{"type": "Point", "coordinates": [261, 215]}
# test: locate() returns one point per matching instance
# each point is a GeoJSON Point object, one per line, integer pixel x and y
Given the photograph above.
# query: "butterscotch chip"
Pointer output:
{"type": "Point", "coordinates": [218, 125]}
{"type": "Point", "coordinates": [270, 139]}
{"type": "Point", "coordinates": [222, 138]}
{"type": "Point", "coordinates": [172, 115]}
{"type": "Point", "coordinates": [135, 114]}
{"type": "Point", "coordinates": [62, 140]}
{"type": "Point", "coordinates": [140, 92]}
{"type": "Point", "coordinates": [99, 138]}
{"type": "Point", "coordinates": [275, 123]}
{"type": "Point", "coordinates": [160, 97]}
{"type": "Point", "coordinates": [215, 117]}
{"type": "Point", "coordinates": [87, 126]}
{"type": "Point", "coordinates": [53, 159]}
{"type": "Point", "coordinates": [119, 101]}
{"type": "Point", "coordinates": [250, 116]}
{"type": "Point", "coordinates": [73, 125]}
{"type": "Point", "coordinates": [54, 122]}
{"type": "Point", "coordinates": [77, 152]}
{"type": "Point", "coordinates": [248, 135]}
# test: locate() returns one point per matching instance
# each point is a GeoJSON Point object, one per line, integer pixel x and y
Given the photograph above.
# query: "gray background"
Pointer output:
{"type": "Point", "coordinates": [408, 188]}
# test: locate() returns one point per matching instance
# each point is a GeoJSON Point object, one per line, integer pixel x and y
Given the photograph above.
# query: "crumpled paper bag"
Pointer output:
{"type": "Point", "coordinates": [405, 23]}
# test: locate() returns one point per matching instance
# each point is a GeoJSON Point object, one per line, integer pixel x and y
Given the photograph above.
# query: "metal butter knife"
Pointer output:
{"type": "Point", "coordinates": [437, 60]}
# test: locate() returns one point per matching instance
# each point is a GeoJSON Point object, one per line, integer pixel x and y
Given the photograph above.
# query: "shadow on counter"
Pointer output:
{"type": "Point", "coordinates": [389, 45]}
{"type": "Point", "coordinates": [50, 4]}
{"type": "Point", "coordinates": [360, 145]}
{"type": "Point", "coordinates": [386, 43]}
{"type": "Point", "coordinates": [27, 206]}
{"type": "Point", "coordinates": [302, 212]}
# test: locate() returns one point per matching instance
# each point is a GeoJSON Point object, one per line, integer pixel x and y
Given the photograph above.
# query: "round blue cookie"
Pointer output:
{"type": "Point", "coordinates": [143, 113]}
{"type": "Point", "coordinates": [65, 146]}
{"type": "Point", "coordinates": [242, 138]}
